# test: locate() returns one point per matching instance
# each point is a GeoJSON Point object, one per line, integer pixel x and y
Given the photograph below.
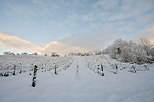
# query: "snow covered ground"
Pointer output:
{"type": "Point", "coordinates": [86, 85]}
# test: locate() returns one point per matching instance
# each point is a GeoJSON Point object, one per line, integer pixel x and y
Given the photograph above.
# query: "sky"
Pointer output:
{"type": "Point", "coordinates": [65, 26]}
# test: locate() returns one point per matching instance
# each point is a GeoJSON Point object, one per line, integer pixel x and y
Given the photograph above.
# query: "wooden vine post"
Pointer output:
{"type": "Point", "coordinates": [34, 77]}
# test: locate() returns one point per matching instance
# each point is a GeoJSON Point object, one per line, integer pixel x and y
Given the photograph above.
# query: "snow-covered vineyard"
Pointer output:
{"type": "Point", "coordinates": [14, 65]}
{"type": "Point", "coordinates": [74, 79]}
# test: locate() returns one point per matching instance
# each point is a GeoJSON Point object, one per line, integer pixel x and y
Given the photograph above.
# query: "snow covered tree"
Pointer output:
{"type": "Point", "coordinates": [25, 53]}
{"type": "Point", "coordinates": [152, 51]}
{"type": "Point", "coordinates": [130, 52]}
{"type": "Point", "coordinates": [18, 54]}
{"type": "Point", "coordinates": [54, 54]}
{"type": "Point", "coordinates": [146, 45]}
{"type": "Point", "coordinates": [35, 53]}
{"type": "Point", "coordinates": [8, 53]}
{"type": "Point", "coordinates": [118, 50]}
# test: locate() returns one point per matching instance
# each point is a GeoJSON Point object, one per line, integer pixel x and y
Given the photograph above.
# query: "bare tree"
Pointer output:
{"type": "Point", "coordinates": [45, 54]}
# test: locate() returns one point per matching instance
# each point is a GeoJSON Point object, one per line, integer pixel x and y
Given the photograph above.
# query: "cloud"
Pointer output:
{"type": "Point", "coordinates": [130, 8]}
{"type": "Point", "coordinates": [63, 18]}
{"type": "Point", "coordinates": [106, 5]}
{"type": "Point", "coordinates": [93, 39]}
{"type": "Point", "coordinates": [119, 16]}
{"type": "Point", "coordinates": [17, 9]}
{"type": "Point", "coordinates": [80, 25]}
{"type": "Point", "coordinates": [149, 33]}
{"type": "Point", "coordinates": [122, 10]}
{"type": "Point", "coordinates": [60, 48]}
{"type": "Point", "coordinates": [13, 42]}
{"type": "Point", "coordinates": [83, 42]}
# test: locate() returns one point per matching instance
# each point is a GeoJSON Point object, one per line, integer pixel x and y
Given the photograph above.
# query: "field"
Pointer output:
{"type": "Point", "coordinates": [74, 79]}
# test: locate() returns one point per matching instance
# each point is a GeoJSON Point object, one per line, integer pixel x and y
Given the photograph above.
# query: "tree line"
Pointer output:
{"type": "Point", "coordinates": [129, 51]}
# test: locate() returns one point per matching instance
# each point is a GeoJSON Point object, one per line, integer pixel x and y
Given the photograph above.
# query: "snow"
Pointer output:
{"type": "Point", "coordinates": [85, 86]}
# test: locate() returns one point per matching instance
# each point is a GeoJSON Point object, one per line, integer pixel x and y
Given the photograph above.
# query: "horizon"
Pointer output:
{"type": "Point", "coordinates": [46, 26]}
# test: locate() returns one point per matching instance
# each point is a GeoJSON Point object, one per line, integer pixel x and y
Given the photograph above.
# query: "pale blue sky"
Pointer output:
{"type": "Point", "coordinates": [44, 21]}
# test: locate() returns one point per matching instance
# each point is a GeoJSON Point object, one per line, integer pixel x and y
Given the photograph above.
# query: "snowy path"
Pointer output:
{"type": "Point", "coordinates": [87, 86]}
